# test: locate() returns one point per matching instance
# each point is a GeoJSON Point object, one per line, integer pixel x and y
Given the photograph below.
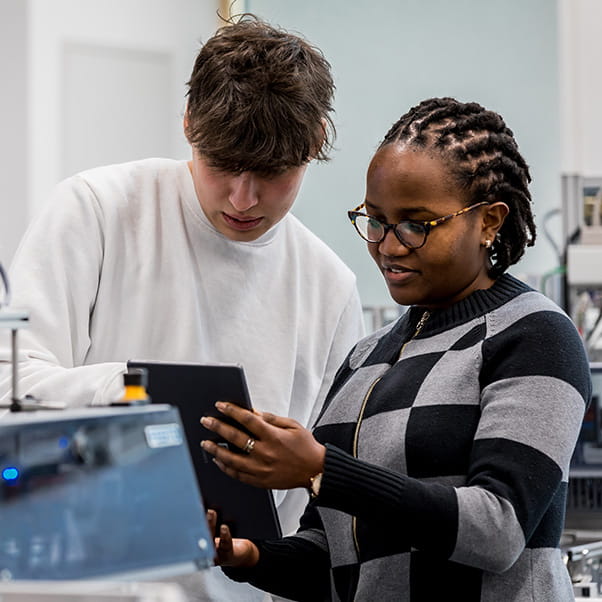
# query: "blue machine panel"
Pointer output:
{"type": "Point", "coordinates": [98, 492]}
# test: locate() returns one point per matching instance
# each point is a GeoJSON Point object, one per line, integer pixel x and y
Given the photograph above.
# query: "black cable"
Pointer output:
{"type": "Point", "coordinates": [572, 238]}
{"type": "Point", "coordinates": [546, 217]}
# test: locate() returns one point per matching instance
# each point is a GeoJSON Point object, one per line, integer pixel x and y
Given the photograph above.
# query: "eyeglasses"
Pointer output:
{"type": "Point", "coordinates": [410, 233]}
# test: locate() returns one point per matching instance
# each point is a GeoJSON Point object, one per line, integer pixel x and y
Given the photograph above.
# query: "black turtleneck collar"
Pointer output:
{"type": "Point", "coordinates": [477, 304]}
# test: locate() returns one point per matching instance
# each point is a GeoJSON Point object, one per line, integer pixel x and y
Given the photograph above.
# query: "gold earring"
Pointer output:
{"type": "Point", "coordinates": [487, 244]}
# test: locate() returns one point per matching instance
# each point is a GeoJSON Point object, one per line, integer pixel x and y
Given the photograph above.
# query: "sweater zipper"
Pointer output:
{"type": "Point", "coordinates": [356, 434]}
{"type": "Point", "coordinates": [423, 318]}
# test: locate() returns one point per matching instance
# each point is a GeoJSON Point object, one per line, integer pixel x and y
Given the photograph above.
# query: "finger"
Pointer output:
{"type": "Point", "coordinates": [228, 432]}
{"type": "Point", "coordinates": [234, 465]}
{"type": "Point", "coordinates": [238, 461]}
{"type": "Point", "coordinates": [279, 421]}
{"type": "Point", "coordinates": [243, 477]}
{"type": "Point", "coordinates": [225, 539]}
{"type": "Point", "coordinates": [223, 546]}
{"type": "Point", "coordinates": [252, 421]}
{"type": "Point", "coordinates": [212, 521]}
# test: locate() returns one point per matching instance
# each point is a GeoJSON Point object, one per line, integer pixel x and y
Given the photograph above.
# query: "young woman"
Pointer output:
{"type": "Point", "coordinates": [438, 467]}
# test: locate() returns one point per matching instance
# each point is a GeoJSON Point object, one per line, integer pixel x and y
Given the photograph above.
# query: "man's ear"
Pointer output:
{"type": "Point", "coordinates": [185, 121]}
{"type": "Point", "coordinates": [493, 219]}
{"type": "Point", "coordinates": [323, 129]}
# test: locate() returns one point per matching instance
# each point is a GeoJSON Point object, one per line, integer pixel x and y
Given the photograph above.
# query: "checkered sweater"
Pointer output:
{"type": "Point", "coordinates": [447, 460]}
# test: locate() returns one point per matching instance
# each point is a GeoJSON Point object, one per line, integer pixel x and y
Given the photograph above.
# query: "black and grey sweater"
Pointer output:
{"type": "Point", "coordinates": [447, 460]}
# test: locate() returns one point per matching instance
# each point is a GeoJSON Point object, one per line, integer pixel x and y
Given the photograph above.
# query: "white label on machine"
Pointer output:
{"type": "Point", "coordinates": [163, 435]}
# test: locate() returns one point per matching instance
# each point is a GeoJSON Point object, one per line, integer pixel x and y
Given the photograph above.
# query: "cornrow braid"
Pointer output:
{"type": "Point", "coordinates": [483, 156]}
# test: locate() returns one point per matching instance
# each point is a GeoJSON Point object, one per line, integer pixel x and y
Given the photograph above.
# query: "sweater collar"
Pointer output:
{"type": "Point", "coordinates": [475, 305]}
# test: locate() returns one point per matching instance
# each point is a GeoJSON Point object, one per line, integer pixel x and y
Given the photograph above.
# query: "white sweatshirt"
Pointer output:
{"type": "Point", "coordinates": [122, 263]}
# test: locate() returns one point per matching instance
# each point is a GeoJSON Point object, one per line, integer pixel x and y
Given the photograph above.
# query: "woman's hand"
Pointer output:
{"type": "Point", "coordinates": [284, 455]}
{"type": "Point", "coordinates": [228, 551]}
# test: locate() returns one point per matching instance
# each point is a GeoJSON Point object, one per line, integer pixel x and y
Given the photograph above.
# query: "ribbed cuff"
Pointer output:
{"type": "Point", "coordinates": [284, 568]}
{"type": "Point", "coordinates": [351, 485]}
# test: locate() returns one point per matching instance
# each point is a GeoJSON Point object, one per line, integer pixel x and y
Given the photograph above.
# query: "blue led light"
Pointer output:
{"type": "Point", "coordinates": [63, 442]}
{"type": "Point", "coordinates": [10, 473]}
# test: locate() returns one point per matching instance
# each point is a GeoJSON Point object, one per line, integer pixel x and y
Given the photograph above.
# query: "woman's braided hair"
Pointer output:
{"type": "Point", "coordinates": [483, 156]}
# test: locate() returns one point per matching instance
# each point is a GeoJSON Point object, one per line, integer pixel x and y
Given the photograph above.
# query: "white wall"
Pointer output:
{"type": "Point", "coordinates": [389, 55]}
{"type": "Point", "coordinates": [42, 42]}
{"type": "Point", "coordinates": [14, 184]}
{"type": "Point", "coordinates": [581, 86]}
{"type": "Point", "coordinates": [536, 63]}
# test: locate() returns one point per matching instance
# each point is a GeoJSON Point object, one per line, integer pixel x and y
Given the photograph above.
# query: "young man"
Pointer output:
{"type": "Point", "coordinates": [200, 260]}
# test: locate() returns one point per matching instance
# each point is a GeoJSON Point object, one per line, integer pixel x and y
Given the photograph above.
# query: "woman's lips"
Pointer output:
{"type": "Point", "coordinates": [398, 275]}
{"type": "Point", "coordinates": [242, 224]}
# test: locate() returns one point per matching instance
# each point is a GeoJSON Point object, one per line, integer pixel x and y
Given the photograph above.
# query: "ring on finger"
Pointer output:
{"type": "Point", "coordinates": [249, 445]}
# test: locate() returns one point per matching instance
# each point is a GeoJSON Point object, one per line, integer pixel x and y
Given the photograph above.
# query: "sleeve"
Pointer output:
{"type": "Point", "coordinates": [532, 406]}
{"type": "Point", "coordinates": [54, 277]}
{"type": "Point", "coordinates": [295, 567]}
{"type": "Point", "coordinates": [349, 331]}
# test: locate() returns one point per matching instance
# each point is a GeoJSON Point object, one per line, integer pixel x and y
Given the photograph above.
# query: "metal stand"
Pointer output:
{"type": "Point", "coordinates": [15, 319]}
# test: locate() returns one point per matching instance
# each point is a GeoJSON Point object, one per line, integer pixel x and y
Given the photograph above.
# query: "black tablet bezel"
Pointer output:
{"type": "Point", "coordinates": [194, 388]}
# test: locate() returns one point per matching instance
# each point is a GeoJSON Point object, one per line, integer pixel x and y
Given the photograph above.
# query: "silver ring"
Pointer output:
{"type": "Point", "coordinates": [249, 445]}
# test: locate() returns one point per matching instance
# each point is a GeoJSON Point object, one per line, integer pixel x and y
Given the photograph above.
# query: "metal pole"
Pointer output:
{"type": "Point", "coordinates": [15, 394]}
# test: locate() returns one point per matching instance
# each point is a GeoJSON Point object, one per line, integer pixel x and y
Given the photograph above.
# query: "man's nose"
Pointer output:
{"type": "Point", "coordinates": [244, 193]}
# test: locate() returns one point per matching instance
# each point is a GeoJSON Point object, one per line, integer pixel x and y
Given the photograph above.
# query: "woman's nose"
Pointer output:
{"type": "Point", "coordinates": [391, 246]}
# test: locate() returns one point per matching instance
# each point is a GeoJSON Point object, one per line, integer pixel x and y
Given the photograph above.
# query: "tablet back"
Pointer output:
{"type": "Point", "coordinates": [194, 388]}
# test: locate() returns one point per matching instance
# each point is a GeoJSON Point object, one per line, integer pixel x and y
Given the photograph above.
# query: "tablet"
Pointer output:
{"type": "Point", "coordinates": [194, 388]}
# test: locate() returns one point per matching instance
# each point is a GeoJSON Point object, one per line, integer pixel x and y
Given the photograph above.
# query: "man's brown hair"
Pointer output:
{"type": "Point", "coordinates": [259, 99]}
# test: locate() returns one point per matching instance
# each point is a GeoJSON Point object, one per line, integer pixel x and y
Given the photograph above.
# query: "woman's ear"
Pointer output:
{"type": "Point", "coordinates": [493, 219]}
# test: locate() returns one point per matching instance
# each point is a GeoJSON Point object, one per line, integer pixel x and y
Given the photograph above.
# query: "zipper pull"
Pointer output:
{"type": "Point", "coordinates": [425, 316]}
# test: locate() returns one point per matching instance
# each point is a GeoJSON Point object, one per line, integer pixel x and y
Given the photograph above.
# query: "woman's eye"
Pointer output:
{"type": "Point", "coordinates": [414, 228]}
